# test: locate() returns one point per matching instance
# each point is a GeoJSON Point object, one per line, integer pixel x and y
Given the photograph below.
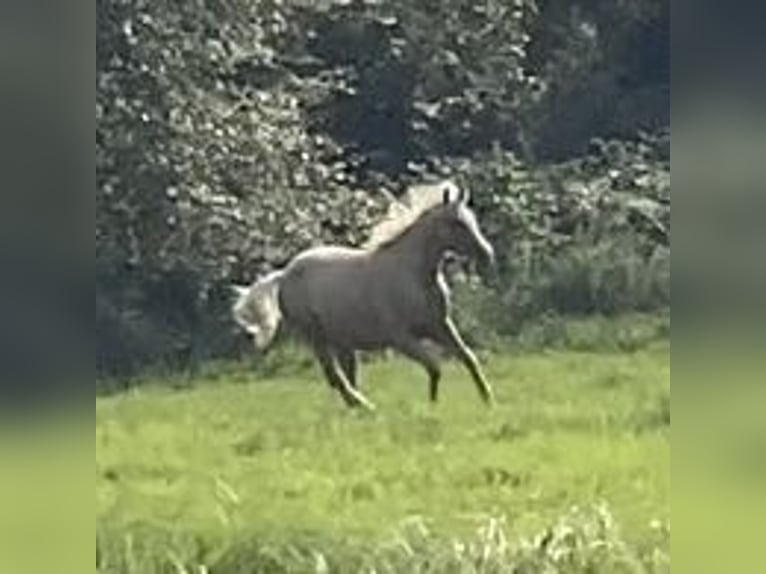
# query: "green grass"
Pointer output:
{"type": "Point", "coordinates": [241, 473]}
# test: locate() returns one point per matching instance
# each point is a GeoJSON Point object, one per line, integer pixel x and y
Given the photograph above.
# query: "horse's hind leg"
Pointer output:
{"type": "Point", "coordinates": [347, 361]}
{"type": "Point", "coordinates": [337, 380]}
{"type": "Point", "coordinates": [417, 351]}
{"type": "Point", "coordinates": [451, 339]}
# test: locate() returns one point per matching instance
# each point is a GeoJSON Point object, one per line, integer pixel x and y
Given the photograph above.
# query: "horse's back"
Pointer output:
{"type": "Point", "coordinates": [325, 254]}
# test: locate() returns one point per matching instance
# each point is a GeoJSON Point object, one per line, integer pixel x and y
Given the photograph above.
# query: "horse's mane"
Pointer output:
{"type": "Point", "coordinates": [406, 210]}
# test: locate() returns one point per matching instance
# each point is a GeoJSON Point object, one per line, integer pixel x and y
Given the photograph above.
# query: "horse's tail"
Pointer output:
{"type": "Point", "coordinates": [257, 310]}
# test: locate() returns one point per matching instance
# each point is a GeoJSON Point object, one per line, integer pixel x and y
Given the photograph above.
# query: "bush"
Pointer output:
{"type": "Point", "coordinates": [587, 237]}
{"type": "Point", "coordinates": [232, 135]}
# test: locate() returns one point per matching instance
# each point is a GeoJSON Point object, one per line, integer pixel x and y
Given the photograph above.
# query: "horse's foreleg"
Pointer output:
{"type": "Point", "coordinates": [417, 351]}
{"type": "Point", "coordinates": [451, 339]}
{"type": "Point", "coordinates": [338, 381]}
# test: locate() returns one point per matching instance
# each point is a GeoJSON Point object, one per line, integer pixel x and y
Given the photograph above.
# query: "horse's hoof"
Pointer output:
{"type": "Point", "coordinates": [362, 404]}
{"type": "Point", "coordinates": [368, 407]}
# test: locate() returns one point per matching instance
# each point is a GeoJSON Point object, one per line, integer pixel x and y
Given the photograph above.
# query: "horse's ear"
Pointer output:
{"type": "Point", "coordinates": [463, 196]}
{"type": "Point", "coordinates": [446, 195]}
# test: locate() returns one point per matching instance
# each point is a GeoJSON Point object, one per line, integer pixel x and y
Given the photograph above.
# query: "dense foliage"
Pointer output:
{"type": "Point", "coordinates": [232, 133]}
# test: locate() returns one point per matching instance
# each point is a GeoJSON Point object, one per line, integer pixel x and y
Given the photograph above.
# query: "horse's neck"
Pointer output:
{"type": "Point", "coordinates": [416, 252]}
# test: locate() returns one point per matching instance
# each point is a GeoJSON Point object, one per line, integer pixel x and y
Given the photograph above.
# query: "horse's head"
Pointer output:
{"type": "Point", "coordinates": [457, 228]}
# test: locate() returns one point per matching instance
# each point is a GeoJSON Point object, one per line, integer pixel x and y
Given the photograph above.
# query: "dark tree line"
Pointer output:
{"type": "Point", "coordinates": [232, 133]}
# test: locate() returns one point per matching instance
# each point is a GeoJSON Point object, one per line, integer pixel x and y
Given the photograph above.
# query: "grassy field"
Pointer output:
{"type": "Point", "coordinates": [239, 472]}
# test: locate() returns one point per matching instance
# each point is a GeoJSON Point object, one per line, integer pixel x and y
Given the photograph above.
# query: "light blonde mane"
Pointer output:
{"type": "Point", "coordinates": [405, 211]}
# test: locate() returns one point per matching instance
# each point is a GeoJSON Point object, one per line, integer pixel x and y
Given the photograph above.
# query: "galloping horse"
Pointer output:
{"type": "Point", "coordinates": [390, 294]}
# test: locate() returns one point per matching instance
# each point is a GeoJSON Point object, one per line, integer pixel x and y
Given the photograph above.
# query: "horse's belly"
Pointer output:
{"type": "Point", "coordinates": [336, 298]}
{"type": "Point", "coordinates": [330, 300]}
{"type": "Point", "coordinates": [348, 316]}
{"type": "Point", "coordinates": [361, 318]}
{"type": "Point", "coordinates": [354, 326]}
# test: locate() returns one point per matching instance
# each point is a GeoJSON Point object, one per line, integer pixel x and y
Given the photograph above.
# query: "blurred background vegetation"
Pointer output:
{"type": "Point", "coordinates": [231, 134]}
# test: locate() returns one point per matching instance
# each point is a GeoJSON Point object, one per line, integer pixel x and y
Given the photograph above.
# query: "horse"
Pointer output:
{"type": "Point", "coordinates": [389, 294]}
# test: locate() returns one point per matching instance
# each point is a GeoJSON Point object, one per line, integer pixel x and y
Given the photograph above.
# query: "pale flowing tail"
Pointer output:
{"type": "Point", "coordinates": [257, 310]}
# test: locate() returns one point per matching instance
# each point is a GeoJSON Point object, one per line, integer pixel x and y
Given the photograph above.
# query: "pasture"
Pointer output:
{"type": "Point", "coordinates": [243, 471]}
